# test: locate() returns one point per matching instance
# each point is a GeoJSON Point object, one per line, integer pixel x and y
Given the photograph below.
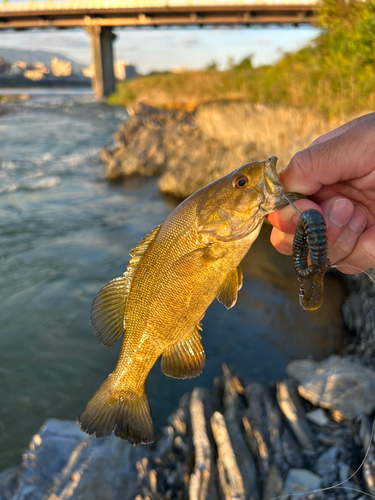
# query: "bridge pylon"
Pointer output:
{"type": "Point", "coordinates": [102, 54]}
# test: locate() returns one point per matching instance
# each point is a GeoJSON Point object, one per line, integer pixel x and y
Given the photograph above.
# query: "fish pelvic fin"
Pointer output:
{"type": "Point", "coordinates": [129, 417]}
{"type": "Point", "coordinates": [186, 358]}
{"type": "Point", "coordinates": [228, 291]}
{"type": "Point", "coordinates": [109, 306]}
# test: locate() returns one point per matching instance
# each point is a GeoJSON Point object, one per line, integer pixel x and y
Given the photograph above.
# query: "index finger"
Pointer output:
{"type": "Point", "coordinates": [347, 156]}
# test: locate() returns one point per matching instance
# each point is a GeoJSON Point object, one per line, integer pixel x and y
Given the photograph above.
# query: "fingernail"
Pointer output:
{"type": "Point", "coordinates": [340, 212]}
{"type": "Point", "coordinates": [358, 220]}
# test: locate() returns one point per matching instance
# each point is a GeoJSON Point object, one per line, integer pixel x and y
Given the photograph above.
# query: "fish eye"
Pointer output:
{"type": "Point", "coordinates": [240, 181]}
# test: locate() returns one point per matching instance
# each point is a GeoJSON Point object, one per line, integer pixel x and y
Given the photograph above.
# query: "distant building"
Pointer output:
{"type": "Point", "coordinates": [36, 71]}
{"type": "Point", "coordinates": [178, 69]}
{"type": "Point", "coordinates": [124, 71]}
{"type": "Point", "coordinates": [61, 68]}
{"type": "Point", "coordinates": [4, 66]}
{"type": "Point", "coordinates": [21, 65]}
{"type": "Point", "coordinates": [88, 71]}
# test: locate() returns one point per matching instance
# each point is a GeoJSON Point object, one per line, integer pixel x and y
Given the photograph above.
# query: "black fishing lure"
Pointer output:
{"type": "Point", "coordinates": [310, 240]}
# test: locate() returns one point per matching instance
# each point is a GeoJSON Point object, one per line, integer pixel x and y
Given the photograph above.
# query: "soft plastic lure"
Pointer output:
{"type": "Point", "coordinates": [310, 239]}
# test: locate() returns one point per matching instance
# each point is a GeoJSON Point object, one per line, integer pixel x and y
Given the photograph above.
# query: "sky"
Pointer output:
{"type": "Point", "coordinates": [163, 49]}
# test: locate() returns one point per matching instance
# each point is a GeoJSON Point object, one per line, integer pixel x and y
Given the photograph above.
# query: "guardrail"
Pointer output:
{"type": "Point", "coordinates": [32, 5]}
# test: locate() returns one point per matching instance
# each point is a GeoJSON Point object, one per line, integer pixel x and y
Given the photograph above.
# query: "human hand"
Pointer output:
{"type": "Point", "coordinates": [337, 173]}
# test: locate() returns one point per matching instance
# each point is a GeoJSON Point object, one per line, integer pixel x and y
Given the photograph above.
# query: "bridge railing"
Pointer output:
{"type": "Point", "coordinates": [8, 6]}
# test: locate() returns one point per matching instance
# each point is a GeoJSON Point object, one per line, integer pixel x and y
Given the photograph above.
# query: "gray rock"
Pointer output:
{"type": "Point", "coordinates": [326, 463]}
{"type": "Point", "coordinates": [62, 462]}
{"type": "Point", "coordinates": [359, 313]}
{"type": "Point", "coordinates": [273, 485]}
{"type": "Point", "coordinates": [318, 417]}
{"type": "Point", "coordinates": [301, 481]}
{"type": "Point", "coordinates": [301, 369]}
{"type": "Point", "coordinates": [344, 387]}
{"type": "Point", "coordinates": [291, 406]}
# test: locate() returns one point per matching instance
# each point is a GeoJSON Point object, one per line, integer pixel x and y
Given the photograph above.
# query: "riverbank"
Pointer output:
{"type": "Point", "coordinates": [189, 149]}
{"type": "Point", "coordinates": [239, 440]}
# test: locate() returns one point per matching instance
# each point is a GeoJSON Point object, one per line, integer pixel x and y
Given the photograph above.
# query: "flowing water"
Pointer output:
{"type": "Point", "coordinates": [65, 232]}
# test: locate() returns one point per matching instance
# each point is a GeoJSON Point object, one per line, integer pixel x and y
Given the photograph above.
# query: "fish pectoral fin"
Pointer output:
{"type": "Point", "coordinates": [108, 311]}
{"type": "Point", "coordinates": [228, 291]}
{"type": "Point", "coordinates": [109, 306]}
{"type": "Point", "coordinates": [186, 358]}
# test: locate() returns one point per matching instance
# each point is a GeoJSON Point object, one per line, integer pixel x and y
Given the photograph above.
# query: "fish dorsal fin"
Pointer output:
{"type": "Point", "coordinates": [109, 306]}
{"type": "Point", "coordinates": [186, 358]}
{"type": "Point", "coordinates": [228, 291]}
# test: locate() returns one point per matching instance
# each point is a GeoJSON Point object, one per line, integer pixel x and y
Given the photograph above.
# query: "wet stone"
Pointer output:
{"type": "Point", "coordinates": [301, 481]}
{"type": "Point", "coordinates": [342, 386]}
{"type": "Point", "coordinates": [302, 370]}
{"type": "Point", "coordinates": [326, 463]}
{"type": "Point", "coordinates": [318, 417]}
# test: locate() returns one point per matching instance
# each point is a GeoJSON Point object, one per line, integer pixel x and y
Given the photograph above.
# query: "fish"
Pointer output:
{"type": "Point", "coordinates": [173, 275]}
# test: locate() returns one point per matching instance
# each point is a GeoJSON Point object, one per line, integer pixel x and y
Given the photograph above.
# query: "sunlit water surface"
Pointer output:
{"type": "Point", "coordinates": [65, 232]}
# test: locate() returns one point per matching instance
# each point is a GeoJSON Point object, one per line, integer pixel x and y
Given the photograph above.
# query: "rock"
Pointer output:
{"type": "Point", "coordinates": [233, 390]}
{"type": "Point", "coordinates": [344, 387]}
{"type": "Point", "coordinates": [191, 149]}
{"type": "Point", "coordinates": [273, 485]}
{"type": "Point", "coordinates": [301, 370]}
{"type": "Point", "coordinates": [256, 426]}
{"type": "Point", "coordinates": [200, 478]}
{"type": "Point", "coordinates": [359, 313]}
{"type": "Point", "coordinates": [292, 451]}
{"type": "Point", "coordinates": [291, 406]}
{"type": "Point", "coordinates": [326, 463]}
{"type": "Point", "coordinates": [300, 481]}
{"type": "Point", "coordinates": [318, 417]}
{"type": "Point", "coordinates": [64, 463]}
{"type": "Point", "coordinates": [229, 474]}
{"type": "Point", "coordinates": [368, 446]}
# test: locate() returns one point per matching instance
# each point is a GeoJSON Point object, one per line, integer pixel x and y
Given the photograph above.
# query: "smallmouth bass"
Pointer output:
{"type": "Point", "coordinates": [173, 275]}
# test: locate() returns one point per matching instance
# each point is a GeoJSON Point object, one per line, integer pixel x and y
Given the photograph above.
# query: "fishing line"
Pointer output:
{"type": "Point", "coordinates": [355, 267]}
{"type": "Point", "coordinates": [339, 485]}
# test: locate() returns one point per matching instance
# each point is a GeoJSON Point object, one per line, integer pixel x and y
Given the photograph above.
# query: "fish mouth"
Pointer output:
{"type": "Point", "coordinates": [275, 199]}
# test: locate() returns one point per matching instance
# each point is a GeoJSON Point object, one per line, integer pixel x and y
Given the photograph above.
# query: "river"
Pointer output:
{"type": "Point", "coordinates": [65, 232]}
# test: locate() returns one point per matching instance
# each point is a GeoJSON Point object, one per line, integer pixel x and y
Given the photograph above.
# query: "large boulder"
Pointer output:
{"type": "Point", "coordinates": [341, 385]}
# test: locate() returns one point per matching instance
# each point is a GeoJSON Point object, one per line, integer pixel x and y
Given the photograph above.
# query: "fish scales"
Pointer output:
{"type": "Point", "coordinates": [174, 275]}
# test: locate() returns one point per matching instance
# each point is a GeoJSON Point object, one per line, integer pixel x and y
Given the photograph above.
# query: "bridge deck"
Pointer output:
{"type": "Point", "coordinates": [153, 13]}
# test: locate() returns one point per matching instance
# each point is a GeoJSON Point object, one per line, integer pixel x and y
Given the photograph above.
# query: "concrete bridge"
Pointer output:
{"type": "Point", "coordinates": [99, 17]}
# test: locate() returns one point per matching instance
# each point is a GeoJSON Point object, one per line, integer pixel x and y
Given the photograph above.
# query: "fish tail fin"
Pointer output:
{"type": "Point", "coordinates": [129, 416]}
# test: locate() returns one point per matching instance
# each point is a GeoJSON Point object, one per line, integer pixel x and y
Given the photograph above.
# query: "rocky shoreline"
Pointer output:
{"type": "Point", "coordinates": [240, 440]}
{"type": "Point", "coordinates": [189, 149]}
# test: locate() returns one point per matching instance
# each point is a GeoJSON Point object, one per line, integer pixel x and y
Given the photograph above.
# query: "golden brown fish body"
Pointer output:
{"type": "Point", "coordinates": [174, 275]}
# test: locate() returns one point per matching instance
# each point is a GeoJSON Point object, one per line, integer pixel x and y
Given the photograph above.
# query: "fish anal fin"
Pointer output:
{"type": "Point", "coordinates": [128, 417]}
{"type": "Point", "coordinates": [186, 358]}
{"type": "Point", "coordinates": [109, 306]}
{"type": "Point", "coordinates": [228, 291]}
